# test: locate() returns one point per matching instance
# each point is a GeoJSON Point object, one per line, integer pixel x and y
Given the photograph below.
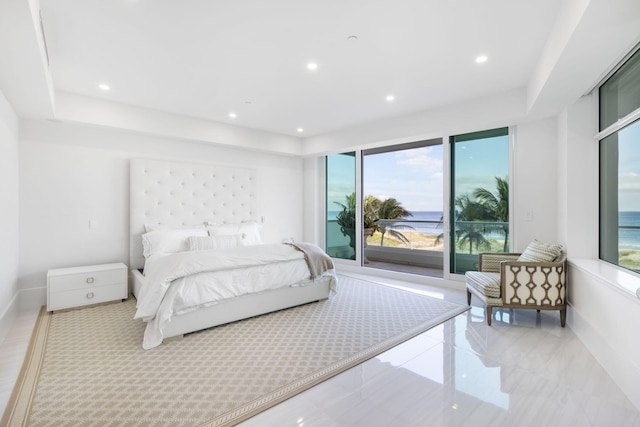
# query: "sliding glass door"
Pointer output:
{"type": "Point", "coordinates": [479, 208]}
{"type": "Point", "coordinates": [341, 206]}
{"type": "Point", "coordinates": [403, 207]}
{"type": "Point", "coordinates": [397, 216]}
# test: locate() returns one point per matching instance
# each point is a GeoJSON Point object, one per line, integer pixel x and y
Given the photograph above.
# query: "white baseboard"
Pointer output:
{"type": "Point", "coordinates": [33, 298]}
{"type": "Point", "coordinates": [23, 300]}
{"type": "Point", "coordinates": [8, 316]}
{"type": "Point", "coordinates": [407, 277]}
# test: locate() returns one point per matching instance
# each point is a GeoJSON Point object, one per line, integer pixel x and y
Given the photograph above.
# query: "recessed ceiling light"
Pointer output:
{"type": "Point", "coordinates": [233, 115]}
{"type": "Point", "coordinates": [352, 38]}
{"type": "Point", "coordinates": [481, 59]}
{"type": "Point", "coordinates": [300, 130]}
{"type": "Point", "coordinates": [312, 65]}
{"type": "Point", "coordinates": [390, 98]}
{"type": "Point", "coordinates": [104, 86]}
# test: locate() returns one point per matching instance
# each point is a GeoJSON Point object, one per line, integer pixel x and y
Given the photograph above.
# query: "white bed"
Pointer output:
{"type": "Point", "coordinates": [175, 195]}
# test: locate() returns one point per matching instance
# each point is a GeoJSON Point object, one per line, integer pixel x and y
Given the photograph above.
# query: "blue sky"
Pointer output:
{"type": "Point", "coordinates": [341, 179]}
{"type": "Point", "coordinates": [414, 177]}
{"type": "Point", "coordinates": [479, 162]}
{"type": "Point", "coordinates": [629, 172]}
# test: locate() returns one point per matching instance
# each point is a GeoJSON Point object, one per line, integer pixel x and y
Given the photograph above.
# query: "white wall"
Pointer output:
{"type": "Point", "coordinates": [535, 183]}
{"type": "Point", "coordinates": [605, 319]}
{"type": "Point", "coordinates": [9, 219]}
{"type": "Point", "coordinates": [577, 125]}
{"type": "Point", "coordinates": [602, 314]}
{"type": "Point", "coordinates": [71, 174]}
{"type": "Point", "coordinates": [314, 201]}
{"type": "Point", "coordinates": [490, 112]}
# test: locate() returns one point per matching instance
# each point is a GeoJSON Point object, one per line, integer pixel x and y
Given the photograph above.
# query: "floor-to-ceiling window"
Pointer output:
{"type": "Point", "coordinates": [479, 208]}
{"type": "Point", "coordinates": [620, 166]}
{"type": "Point", "coordinates": [399, 213]}
{"type": "Point", "coordinates": [403, 207]}
{"type": "Point", "coordinates": [341, 206]}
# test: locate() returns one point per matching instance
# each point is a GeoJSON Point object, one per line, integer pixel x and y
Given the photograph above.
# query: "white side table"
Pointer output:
{"type": "Point", "coordinates": [92, 284]}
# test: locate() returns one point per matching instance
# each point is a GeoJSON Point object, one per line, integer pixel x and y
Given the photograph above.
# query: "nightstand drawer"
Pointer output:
{"type": "Point", "coordinates": [86, 280]}
{"type": "Point", "coordinates": [89, 295]}
{"type": "Point", "coordinates": [91, 284]}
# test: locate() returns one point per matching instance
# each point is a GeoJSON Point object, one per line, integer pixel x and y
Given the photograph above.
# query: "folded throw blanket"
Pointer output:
{"type": "Point", "coordinates": [317, 260]}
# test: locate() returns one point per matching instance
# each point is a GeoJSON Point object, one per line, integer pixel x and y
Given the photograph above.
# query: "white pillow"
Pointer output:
{"type": "Point", "coordinates": [248, 231]}
{"type": "Point", "coordinates": [168, 241]}
{"type": "Point", "coordinates": [199, 243]}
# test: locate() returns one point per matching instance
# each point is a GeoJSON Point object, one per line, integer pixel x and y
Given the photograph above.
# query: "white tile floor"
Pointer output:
{"type": "Point", "coordinates": [523, 370]}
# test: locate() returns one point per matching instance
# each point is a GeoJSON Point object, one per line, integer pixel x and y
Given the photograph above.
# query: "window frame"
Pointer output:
{"type": "Point", "coordinates": [605, 240]}
{"type": "Point", "coordinates": [471, 136]}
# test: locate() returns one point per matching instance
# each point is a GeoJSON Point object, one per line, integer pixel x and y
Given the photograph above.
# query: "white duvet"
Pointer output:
{"type": "Point", "coordinates": [182, 282]}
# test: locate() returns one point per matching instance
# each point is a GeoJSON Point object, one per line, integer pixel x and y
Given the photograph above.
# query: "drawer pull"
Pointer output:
{"type": "Point", "coordinates": [89, 279]}
{"type": "Point", "coordinates": [90, 295]}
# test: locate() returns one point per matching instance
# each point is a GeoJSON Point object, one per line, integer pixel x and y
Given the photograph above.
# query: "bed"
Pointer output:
{"type": "Point", "coordinates": [193, 229]}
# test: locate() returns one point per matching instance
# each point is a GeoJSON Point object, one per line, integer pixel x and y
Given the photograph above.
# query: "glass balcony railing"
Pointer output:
{"type": "Point", "coordinates": [473, 237]}
{"type": "Point", "coordinates": [410, 234]}
{"type": "Point", "coordinates": [422, 243]}
{"type": "Point", "coordinates": [429, 235]}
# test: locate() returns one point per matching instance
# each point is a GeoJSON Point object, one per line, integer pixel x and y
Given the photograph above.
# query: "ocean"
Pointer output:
{"type": "Point", "coordinates": [434, 225]}
{"type": "Point", "coordinates": [628, 238]}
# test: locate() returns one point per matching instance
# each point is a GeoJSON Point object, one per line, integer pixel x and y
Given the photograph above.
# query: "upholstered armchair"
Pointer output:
{"type": "Point", "coordinates": [504, 280]}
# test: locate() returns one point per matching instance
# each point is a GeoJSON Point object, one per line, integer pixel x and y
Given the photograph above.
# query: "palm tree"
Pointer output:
{"type": "Point", "coordinates": [483, 206]}
{"type": "Point", "coordinates": [391, 209]}
{"type": "Point", "coordinates": [467, 211]}
{"type": "Point", "coordinates": [346, 219]}
{"type": "Point", "coordinates": [496, 206]}
{"type": "Point", "coordinates": [370, 213]}
{"type": "Point", "coordinates": [378, 215]}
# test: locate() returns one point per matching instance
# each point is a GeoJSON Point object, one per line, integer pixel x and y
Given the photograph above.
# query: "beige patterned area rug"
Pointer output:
{"type": "Point", "coordinates": [87, 367]}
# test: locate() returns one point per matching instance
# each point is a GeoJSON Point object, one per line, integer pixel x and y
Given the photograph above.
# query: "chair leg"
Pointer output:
{"type": "Point", "coordinates": [468, 297]}
{"type": "Point", "coordinates": [563, 316]}
{"type": "Point", "coordinates": [489, 315]}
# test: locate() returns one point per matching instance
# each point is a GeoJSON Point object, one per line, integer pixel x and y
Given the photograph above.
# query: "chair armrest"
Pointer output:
{"type": "Point", "coordinates": [541, 284]}
{"type": "Point", "coordinates": [489, 262]}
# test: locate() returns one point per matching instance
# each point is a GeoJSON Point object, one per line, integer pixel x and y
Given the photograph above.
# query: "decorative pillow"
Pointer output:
{"type": "Point", "coordinates": [199, 243]}
{"type": "Point", "coordinates": [248, 231]}
{"type": "Point", "coordinates": [168, 241]}
{"type": "Point", "coordinates": [540, 252]}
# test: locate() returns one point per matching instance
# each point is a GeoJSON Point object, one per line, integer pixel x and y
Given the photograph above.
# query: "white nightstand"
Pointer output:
{"type": "Point", "coordinates": [92, 284]}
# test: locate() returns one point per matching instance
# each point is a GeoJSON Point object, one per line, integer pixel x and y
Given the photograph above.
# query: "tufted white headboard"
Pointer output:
{"type": "Point", "coordinates": [178, 194]}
